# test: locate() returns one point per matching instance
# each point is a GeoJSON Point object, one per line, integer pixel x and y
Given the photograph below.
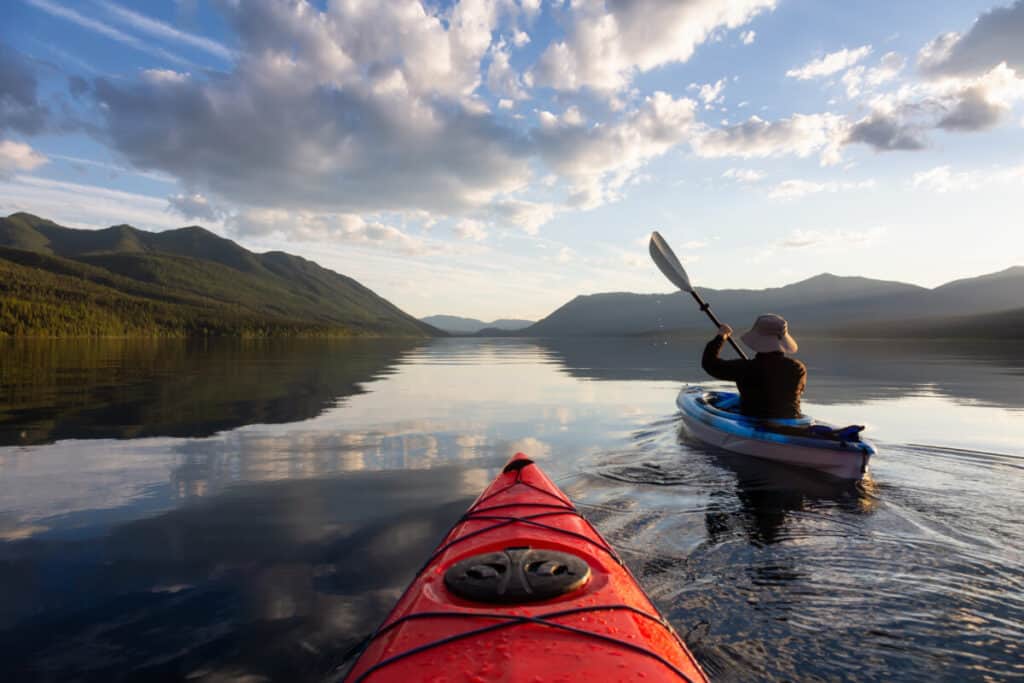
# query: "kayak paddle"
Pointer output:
{"type": "Point", "coordinates": [670, 266]}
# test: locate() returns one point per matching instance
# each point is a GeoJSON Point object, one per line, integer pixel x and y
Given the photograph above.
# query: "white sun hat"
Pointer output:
{"type": "Point", "coordinates": [770, 333]}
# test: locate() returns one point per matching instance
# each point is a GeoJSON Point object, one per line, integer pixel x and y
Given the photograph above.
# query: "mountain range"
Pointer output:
{"type": "Point", "coordinates": [457, 325]}
{"type": "Point", "coordinates": [845, 306]}
{"type": "Point", "coordinates": [121, 281]}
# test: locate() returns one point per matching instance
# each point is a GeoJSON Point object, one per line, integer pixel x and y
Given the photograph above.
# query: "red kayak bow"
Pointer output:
{"type": "Point", "coordinates": [524, 589]}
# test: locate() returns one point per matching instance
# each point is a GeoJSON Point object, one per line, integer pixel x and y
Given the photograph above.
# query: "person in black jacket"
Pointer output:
{"type": "Point", "coordinates": [770, 384]}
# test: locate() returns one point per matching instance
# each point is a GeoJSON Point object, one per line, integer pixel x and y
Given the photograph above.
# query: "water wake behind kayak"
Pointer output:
{"type": "Point", "coordinates": [912, 569]}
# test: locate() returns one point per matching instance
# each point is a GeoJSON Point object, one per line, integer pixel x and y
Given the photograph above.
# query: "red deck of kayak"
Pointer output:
{"type": "Point", "coordinates": [606, 631]}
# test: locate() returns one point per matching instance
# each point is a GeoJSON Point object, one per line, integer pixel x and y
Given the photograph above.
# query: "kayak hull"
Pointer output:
{"type": "Point", "coordinates": [774, 440]}
{"type": "Point", "coordinates": [604, 629]}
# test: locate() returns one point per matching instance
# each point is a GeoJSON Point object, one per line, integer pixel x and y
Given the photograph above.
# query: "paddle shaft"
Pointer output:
{"type": "Point", "coordinates": [706, 307]}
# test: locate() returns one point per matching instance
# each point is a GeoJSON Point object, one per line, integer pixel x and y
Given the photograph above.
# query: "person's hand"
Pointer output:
{"type": "Point", "coordinates": [724, 331]}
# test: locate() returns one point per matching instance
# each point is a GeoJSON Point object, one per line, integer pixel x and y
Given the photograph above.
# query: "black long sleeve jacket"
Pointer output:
{"type": "Point", "coordinates": [770, 384]}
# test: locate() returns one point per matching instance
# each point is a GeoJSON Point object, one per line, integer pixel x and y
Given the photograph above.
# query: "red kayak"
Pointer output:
{"type": "Point", "coordinates": [524, 589]}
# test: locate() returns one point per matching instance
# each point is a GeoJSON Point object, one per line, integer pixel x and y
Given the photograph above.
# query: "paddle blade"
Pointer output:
{"type": "Point", "coordinates": [667, 262]}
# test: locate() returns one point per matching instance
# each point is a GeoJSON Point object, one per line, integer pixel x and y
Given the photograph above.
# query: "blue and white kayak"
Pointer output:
{"type": "Point", "coordinates": [713, 417]}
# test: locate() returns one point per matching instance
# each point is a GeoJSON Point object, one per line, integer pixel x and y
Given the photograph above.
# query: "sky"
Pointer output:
{"type": "Point", "coordinates": [496, 158]}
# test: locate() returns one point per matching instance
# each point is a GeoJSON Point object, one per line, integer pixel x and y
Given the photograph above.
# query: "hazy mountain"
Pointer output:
{"type": "Point", "coordinates": [457, 325]}
{"type": "Point", "coordinates": [1008, 325]}
{"type": "Point", "coordinates": [822, 303]}
{"type": "Point", "coordinates": [121, 280]}
{"type": "Point", "coordinates": [994, 292]}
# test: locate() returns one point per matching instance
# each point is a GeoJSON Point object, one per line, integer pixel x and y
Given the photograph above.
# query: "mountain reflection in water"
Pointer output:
{"type": "Point", "coordinates": [133, 388]}
{"type": "Point", "coordinates": [252, 510]}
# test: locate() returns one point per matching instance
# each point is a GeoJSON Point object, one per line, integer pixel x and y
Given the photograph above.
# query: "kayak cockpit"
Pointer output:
{"type": "Point", "coordinates": [726, 404]}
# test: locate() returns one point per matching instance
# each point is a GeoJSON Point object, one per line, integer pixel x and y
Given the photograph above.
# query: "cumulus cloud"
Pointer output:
{"type": "Point", "coordinates": [900, 120]}
{"type": "Point", "coordinates": [744, 175]}
{"type": "Point", "coordinates": [378, 109]}
{"type": "Point", "coordinates": [502, 79]}
{"type": "Point", "coordinates": [887, 132]}
{"type": "Point", "coordinates": [711, 93]}
{"type": "Point", "coordinates": [469, 229]}
{"type": "Point", "coordinates": [356, 113]}
{"type": "Point", "coordinates": [972, 110]}
{"type": "Point", "coordinates": [351, 42]}
{"type": "Point", "coordinates": [17, 156]}
{"type": "Point", "coordinates": [530, 7]}
{"type": "Point", "coordinates": [747, 37]}
{"type": "Point", "coordinates": [308, 225]}
{"type": "Point", "coordinates": [831, 63]}
{"type": "Point", "coordinates": [20, 108]}
{"type": "Point", "coordinates": [529, 216]}
{"type": "Point", "coordinates": [860, 78]}
{"type": "Point", "coordinates": [794, 189]}
{"type": "Point", "coordinates": [888, 68]}
{"type": "Point", "coordinates": [349, 118]}
{"type": "Point", "coordinates": [996, 37]}
{"type": "Point", "coordinates": [520, 38]}
{"type": "Point", "coordinates": [972, 83]}
{"type": "Point", "coordinates": [800, 135]}
{"type": "Point", "coordinates": [599, 160]}
{"type": "Point", "coordinates": [194, 206]}
{"type": "Point", "coordinates": [609, 41]}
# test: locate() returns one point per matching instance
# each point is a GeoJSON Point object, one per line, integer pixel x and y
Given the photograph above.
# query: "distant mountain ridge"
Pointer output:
{"type": "Point", "coordinates": [824, 303]}
{"type": "Point", "coordinates": [125, 281]}
{"type": "Point", "coordinates": [457, 325]}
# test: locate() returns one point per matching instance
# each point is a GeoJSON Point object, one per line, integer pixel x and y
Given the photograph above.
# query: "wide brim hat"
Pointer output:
{"type": "Point", "coordinates": [770, 333]}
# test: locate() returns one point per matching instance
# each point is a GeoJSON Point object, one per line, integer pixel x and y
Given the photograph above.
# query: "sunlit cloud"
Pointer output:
{"type": "Point", "coordinates": [18, 156]}
{"type": "Point", "coordinates": [608, 44]}
{"type": "Point", "coordinates": [830, 63]}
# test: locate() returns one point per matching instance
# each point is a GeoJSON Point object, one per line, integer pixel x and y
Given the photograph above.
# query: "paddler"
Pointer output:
{"type": "Point", "coordinates": [771, 383]}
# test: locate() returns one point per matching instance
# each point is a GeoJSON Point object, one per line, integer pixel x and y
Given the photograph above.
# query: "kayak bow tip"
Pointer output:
{"type": "Point", "coordinates": [517, 462]}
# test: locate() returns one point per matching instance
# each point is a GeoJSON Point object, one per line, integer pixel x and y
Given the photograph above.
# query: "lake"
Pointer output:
{"type": "Point", "coordinates": [250, 511]}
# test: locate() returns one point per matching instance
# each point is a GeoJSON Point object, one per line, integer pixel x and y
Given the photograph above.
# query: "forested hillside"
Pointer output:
{"type": "Point", "coordinates": [57, 281]}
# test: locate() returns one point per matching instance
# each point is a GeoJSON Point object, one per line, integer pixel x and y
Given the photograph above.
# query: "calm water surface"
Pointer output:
{"type": "Point", "coordinates": [249, 512]}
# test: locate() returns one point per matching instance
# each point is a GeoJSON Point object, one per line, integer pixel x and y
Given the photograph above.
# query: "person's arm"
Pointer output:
{"type": "Point", "coordinates": [728, 370]}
